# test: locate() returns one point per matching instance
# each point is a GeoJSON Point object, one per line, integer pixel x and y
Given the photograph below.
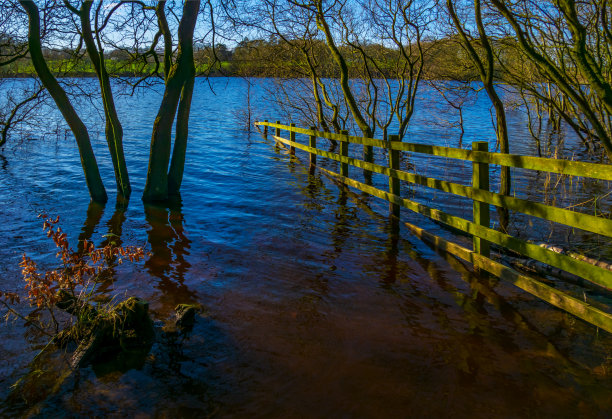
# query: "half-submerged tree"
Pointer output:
{"type": "Point", "coordinates": [78, 128]}
{"type": "Point", "coordinates": [161, 180]}
{"type": "Point", "coordinates": [114, 129]}
{"type": "Point", "coordinates": [166, 163]}
{"type": "Point", "coordinates": [484, 61]}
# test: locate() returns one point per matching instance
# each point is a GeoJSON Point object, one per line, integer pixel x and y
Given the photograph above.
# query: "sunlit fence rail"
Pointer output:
{"type": "Point", "coordinates": [480, 226]}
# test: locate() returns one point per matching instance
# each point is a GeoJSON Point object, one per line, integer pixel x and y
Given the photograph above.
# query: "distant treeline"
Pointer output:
{"type": "Point", "coordinates": [443, 59]}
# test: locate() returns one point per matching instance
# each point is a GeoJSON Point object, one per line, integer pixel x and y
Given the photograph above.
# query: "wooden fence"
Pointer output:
{"type": "Point", "coordinates": [482, 197]}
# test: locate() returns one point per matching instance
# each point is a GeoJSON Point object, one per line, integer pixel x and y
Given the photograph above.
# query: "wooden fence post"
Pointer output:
{"type": "Point", "coordinates": [368, 156]}
{"type": "Point", "coordinates": [313, 144]}
{"type": "Point", "coordinates": [277, 133]}
{"type": "Point", "coordinates": [265, 133]}
{"type": "Point", "coordinates": [344, 152]}
{"type": "Point", "coordinates": [394, 183]}
{"type": "Point", "coordinates": [480, 180]}
{"type": "Point", "coordinates": [292, 138]}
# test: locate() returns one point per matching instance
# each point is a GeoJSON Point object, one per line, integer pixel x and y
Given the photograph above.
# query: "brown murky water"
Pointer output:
{"type": "Point", "coordinates": [315, 307]}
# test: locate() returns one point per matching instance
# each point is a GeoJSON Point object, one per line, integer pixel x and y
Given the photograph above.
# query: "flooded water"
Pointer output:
{"type": "Point", "coordinates": [315, 307]}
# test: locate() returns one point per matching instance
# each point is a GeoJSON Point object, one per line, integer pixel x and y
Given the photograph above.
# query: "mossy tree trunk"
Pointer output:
{"type": "Point", "coordinates": [179, 152]}
{"type": "Point", "coordinates": [347, 92]}
{"type": "Point", "coordinates": [562, 73]}
{"type": "Point", "coordinates": [114, 130]}
{"type": "Point", "coordinates": [486, 72]}
{"type": "Point", "coordinates": [88, 159]}
{"type": "Point", "coordinates": [179, 88]}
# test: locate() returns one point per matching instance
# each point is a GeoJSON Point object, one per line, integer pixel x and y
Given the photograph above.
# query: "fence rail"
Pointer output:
{"type": "Point", "coordinates": [479, 227]}
{"type": "Point", "coordinates": [543, 164]}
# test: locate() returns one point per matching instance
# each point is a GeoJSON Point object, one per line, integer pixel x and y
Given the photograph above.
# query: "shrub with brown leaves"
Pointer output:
{"type": "Point", "coordinates": [78, 272]}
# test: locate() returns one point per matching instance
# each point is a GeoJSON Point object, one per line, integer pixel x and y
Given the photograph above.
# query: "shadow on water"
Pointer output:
{"type": "Point", "coordinates": [480, 304]}
{"type": "Point", "coordinates": [114, 225]}
{"type": "Point", "coordinates": [114, 229]}
{"type": "Point", "coordinates": [483, 290]}
{"type": "Point", "coordinates": [313, 191]}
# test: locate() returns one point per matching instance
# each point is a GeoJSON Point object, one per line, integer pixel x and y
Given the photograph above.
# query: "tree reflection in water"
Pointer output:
{"type": "Point", "coordinates": [169, 249]}
{"type": "Point", "coordinates": [4, 162]}
{"type": "Point", "coordinates": [115, 224]}
{"type": "Point", "coordinates": [94, 214]}
{"type": "Point", "coordinates": [166, 236]}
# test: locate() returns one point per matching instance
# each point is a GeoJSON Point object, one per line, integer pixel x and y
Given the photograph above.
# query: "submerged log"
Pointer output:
{"type": "Point", "coordinates": [558, 249]}
{"type": "Point", "coordinates": [531, 265]}
{"type": "Point", "coordinates": [544, 270]}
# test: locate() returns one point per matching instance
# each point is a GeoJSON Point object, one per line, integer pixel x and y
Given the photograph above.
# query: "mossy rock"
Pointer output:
{"type": "Point", "coordinates": [136, 329]}
{"type": "Point", "coordinates": [185, 315]}
{"type": "Point", "coordinates": [184, 319]}
{"type": "Point", "coordinates": [126, 327]}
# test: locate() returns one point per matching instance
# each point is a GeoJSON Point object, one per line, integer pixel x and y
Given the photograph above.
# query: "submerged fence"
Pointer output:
{"type": "Point", "coordinates": [482, 197]}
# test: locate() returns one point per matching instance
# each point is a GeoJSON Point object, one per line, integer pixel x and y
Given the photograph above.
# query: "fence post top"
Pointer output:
{"type": "Point", "coordinates": [480, 145]}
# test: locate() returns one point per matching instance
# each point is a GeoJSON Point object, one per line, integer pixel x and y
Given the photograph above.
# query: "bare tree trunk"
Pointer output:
{"type": "Point", "coordinates": [557, 73]}
{"type": "Point", "coordinates": [315, 91]}
{"type": "Point", "coordinates": [88, 159]}
{"type": "Point", "coordinates": [114, 130]}
{"type": "Point", "coordinates": [366, 130]}
{"type": "Point", "coordinates": [156, 187]}
{"type": "Point", "coordinates": [589, 68]}
{"type": "Point", "coordinates": [486, 72]}
{"type": "Point", "coordinates": [162, 21]}
{"type": "Point", "coordinates": [500, 115]}
{"type": "Point", "coordinates": [177, 165]}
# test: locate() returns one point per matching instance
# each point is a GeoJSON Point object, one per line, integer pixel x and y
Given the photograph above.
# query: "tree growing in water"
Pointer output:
{"type": "Point", "coordinates": [166, 163]}
{"type": "Point", "coordinates": [485, 65]}
{"type": "Point", "coordinates": [357, 42]}
{"type": "Point", "coordinates": [178, 93]}
{"type": "Point", "coordinates": [114, 129]}
{"type": "Point", "coordinates": [78, 128]}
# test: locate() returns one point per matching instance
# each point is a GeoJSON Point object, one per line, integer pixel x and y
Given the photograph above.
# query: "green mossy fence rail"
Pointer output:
{"type": "Point", "coordinates": [482, 197]}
